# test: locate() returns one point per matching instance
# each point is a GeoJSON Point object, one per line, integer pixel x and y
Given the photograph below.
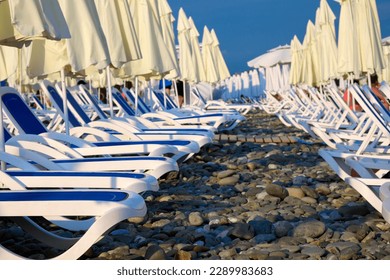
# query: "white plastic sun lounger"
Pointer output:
{"type": "Point", "coordinates": [109, 207]}
{"type": "Point", "coordinates": [82, 126]}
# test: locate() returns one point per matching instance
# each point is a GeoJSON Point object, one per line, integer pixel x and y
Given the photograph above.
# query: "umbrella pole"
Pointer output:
{"type": "Point", "coordinates": [369, 79]}
{"type": "Point", "coordinates": [136, 95]}
{"type": "Point", "coordinates": [176, 92]}
{"type": "Point", "coordinates": [165, 97]}
{"type": "Point", "coordinates": [90, 86]}
{"type": "Point", "coordinates": [184, 93]}
{"type": "Point", "coordinates": [2, 146]}
{"type": "Point", "coordinates": [150, 97]}
{"type": "Point", "coordinates": [65, 98]}
{"type": "Point", "coordinates": [109, 91]}
{"type": "Point", "coordinates": [20, 70]}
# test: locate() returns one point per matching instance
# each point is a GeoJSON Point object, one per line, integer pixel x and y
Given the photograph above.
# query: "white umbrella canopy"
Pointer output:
{"type": "Point", "coordinates": [310, 63]}
{"type": "Point", "coordinates": [86, 47]}
{"type": "Point", "coordinates": [326, 41]}
{"type": "Point", "coordinates": [196, 53]}
{"type": "Point", "coordinates": [369, 34]}
{"type": "Point", "coordinates": [23, 21]}
{"type": "Point", "coordinates": [208, 58]}
{"type": "Point", "coordinates": [348, 46]}
{"type": "Point", "coordinates": [223, 70]}
{"type": "Point", "coordinates": [8, 61]}
{"type": "Point", "coordinates": [186, 62]}
{"type": "Point", "coordinates": [278, 55]}
{"type": "Point", "coordinates": [360, 50]}
{"type": "Point", "coordinates": [118, 27]}
{"type": "Point", "coordinates": [296, 61]}
{"type": "Point", "coordinates": [26, 20]}
{"type": "Point", "coordinates": [164, 12]}
{"type": "Point", "coordinates": [156, 60]}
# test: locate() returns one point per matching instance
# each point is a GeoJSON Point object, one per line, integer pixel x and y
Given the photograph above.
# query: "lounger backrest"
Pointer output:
{"type": "Point", "coordinates": [378, 103]}
{"type": "Point", "coordinates": [369, 109]}
{"type": "Point", "coordinates": [142, 107]}
{"type": "Point", "coordinates": [20, 113]}
{"type": "Point", "coordinates": [76, 109]}
{"type": "Point", "coordinates": [6, 134]}
{"type": "Point", "coordinates": [119, 101]}
{"type": "Point", "coordinates": [195, 91]}
{"type": "Point", "coordinates": [160, 98]}
{"type": "Point", "coordinates": [92, 101]}
{"type": "Point", "coordinates": [58, 103]}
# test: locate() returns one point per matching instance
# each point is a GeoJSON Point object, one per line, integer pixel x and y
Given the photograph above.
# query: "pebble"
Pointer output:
{"type": "Point", "coordinates": [195, 219]}
{"type": "Point", "coordinates": [311, 229]}
{"type": "Point", "coordinates": [276, 190]}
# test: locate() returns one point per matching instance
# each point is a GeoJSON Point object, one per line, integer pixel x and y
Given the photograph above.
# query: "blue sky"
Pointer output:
{"type": "Point", "coordinates": [248, 28]}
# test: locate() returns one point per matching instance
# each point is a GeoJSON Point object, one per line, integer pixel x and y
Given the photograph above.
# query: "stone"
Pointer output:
{"type": "Point", "coordinates": [261, 227]}
{"type": "Point", "coordinates": [242, 231]}
{"type": "Point", "coordinates": [155, 252]}
{"type": "Point", "coordinates": [354, 209]}
{"type": "Point", "coordinates": [309, 192]}
{"type": "Point", "coordinates": [195, 219]}
{"type": "Point", "coordinates": [229, 181]}
{"type": "Point", "coordinates": [276, 190]}
{"type": "Point", "coordinates": [309, 200]}
{"type": "Point", "coordinates": [299, 180]}
{"type": "Point", "coordinates": [282, 228]}
{"type": "Point", "coordinates": [295, 192]}
{"type": "Point", "coordinates": [184, 255]}
{"type": "Point", "coordinates": [228, 253]}
{"type": "Point", "coordinates": [311, 229]}
{"type": "Point", "coordinates": [225, 173]}
{"type": "Point", "coordinates": [313, 251]}
{"type": "Point", "coordinates": [323, 189]}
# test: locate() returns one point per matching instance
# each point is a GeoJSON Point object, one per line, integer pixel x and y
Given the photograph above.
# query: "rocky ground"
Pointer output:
{"type": "Point", "coordinates": [244, 200]}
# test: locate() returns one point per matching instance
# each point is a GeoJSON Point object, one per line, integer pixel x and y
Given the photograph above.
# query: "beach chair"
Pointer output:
{"type": "Point", "coordinates": [115, 130]}
{"type": "Point", "coordinates": [200, 135]}
{"type": "Point", "coordinates": [74, 152]}
{"type": "Point", "coordinates": [220, 121]}
{"type": "Point", "coordinates": [109, 207]}
{"type": "Point", "coordinates": [219, 105]}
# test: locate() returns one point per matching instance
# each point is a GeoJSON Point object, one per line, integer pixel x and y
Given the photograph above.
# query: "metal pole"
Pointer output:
{"type": "Point", "coordinates": [65, 99]}
{"type": "Point", "coordinates": [109, 91]}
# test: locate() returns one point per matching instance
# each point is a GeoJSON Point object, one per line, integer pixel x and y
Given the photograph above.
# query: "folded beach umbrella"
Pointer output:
{"type": "Point", "coordinates": [296, 61]}
{"type": "Point", "coordinates": [186, 62]}
{"type": "Point", "coordinates": [196, 52]}
{"type": "Point", "coordinates": [165, 18]}
{"type": "Point", "coordinates": [86, 47]}
{"type": "Point", "coordinates": [223, 71]}
{"type": "Point", "coordinates": [156, 60]}
{"type": "Point", "coordinates": [310, 65]}
{"type": "Point", "coordinates": [348, 46]}
{"type": "Point", "coordinates": [8, 62]}
{"type": "Point", "coordinates": [208, 58]}
{"type": "Point", "coordinates": [360, 49]}
{"type": "Point", "coordinates": [23, 21]}
{"type": "Point", "coordinates": [370, 39]}
{"type": "Point", "coordinates": [122, 41]}
{"type": "Point", "coordinates": [326, 41]}
{"type": "Point", "coordinates": [118, 28]}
